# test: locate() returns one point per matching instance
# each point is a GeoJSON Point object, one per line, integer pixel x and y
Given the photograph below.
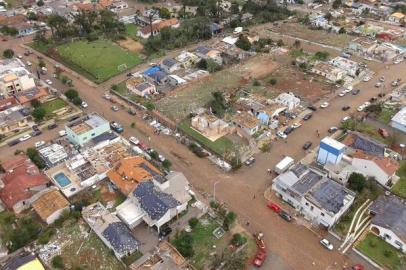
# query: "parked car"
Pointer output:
{"type": "Point", "coordinates": [52, 126]}
{"type": "Point", "coordinates": [345, 108]}
{"type": "Point", "coordinates": [288, 130]}
{"type": "Point", "coordinates": [76, 117]}
{"type": "Point", "coordinates": [307, 145]}
{"type": "Point", "coordinates": [13, 142]}
{"type": "Point", "coordinates": [25, 137]}
{"type": "Point", "coordinates": [382, 79]}
{"type": "Point", "coordinates": [62, 133]}
{"type": "Point", "coordinates": [114, 108]}
{"type": "Point", "coordinates": [132, 111]}
{"type": "Point", "coordinates": [285, 215]}
{"type": "Point", "coordinates": [164, 231]}
{"type": "Point", "coordinates": [383, 132]}
{"type": "Point", "coordinates": [36, 133]}
{"type": "Point", "coordinates": [48, 81]}
{"type": "Point", "coordinates": [324, 105]}
{"type": "Point", "coordinates": [249, 161]}
{"type": "Point", "coordinates": [332, 130]}
{"type": "Point", "coordinates": [39, 144]}
{"type": "Point", "coordinates": [378, 84]}
{"type": "Point", "coordinates": [394, 83]}
{"type": "Point", "coordinates": [29, 63]}
{"type": "Point", "coordinates": [366, 79]}
{"type": "Point", "coordinates": [134, 140]}
{"type": "Point", "coordinates": [325, 243]}
{"type": "Point", "coordinates": [259, 258]}
{"type": "Point", "coordinates": [274, 207]}
{"type": "Point", "coordinates": [312, 107]}
{"type": "Point", "coordinates": [281, 135]}
{"type": "Point", "coordinates": [345, 119]}
{"type": "Point", "coordinates": [296, 125]}
{"type": "Point", "coordinates": [307, 116]}
{"type": "Point", "coordinates": [84, 104]}
{"type": "Point", "coordinates": [342, 93]}
{"type": "Point", "coordinates": [116, 127]}
{"type": "Point", "coordinates": [357, 266]}
{"type": "Point", "coordinates": [355, 91]}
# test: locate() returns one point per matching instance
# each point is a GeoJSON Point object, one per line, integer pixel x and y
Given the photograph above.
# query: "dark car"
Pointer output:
{"type": "Point", "coordinates": [312, 107]}
{"type": "Point", "coordinates": [381, 94]}
{"type": "Point", "coordinates": [373, 99]}
{"type": "Point", "coordinates": [355, 91]}
{"type": "Point", "coordinates": [283, 214]}
{"type": "Point", "coordinates": [132, 111]}
{"type": "Point", "coordinates": [345, 108]}
{"type": "Point", "coordinates": [74, 118]}
{"type": "Point", "coordinates": [307, 145]}
{"type": "Point", "coordinates": [307, 116]}
{"type": "Point", "coordinates": [52, 126]}
{"type": "Point", "coordinates": [288, 130]}
{"type": "Point", "coordinates": [164, 231]}
{"type": "Point", "coordinates": [36, 133]}
{"type": "Point", "coordinates": [14, 142]}
{"type": "Point", "coordinates": [35, 127]}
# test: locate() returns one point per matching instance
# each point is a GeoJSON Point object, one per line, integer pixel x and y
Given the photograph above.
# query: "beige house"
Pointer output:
{"type": "Point", "coordinates": [327, 71]}
{"type": "Point", "coordinates": [50, 205]}
{"type": "Point", "coordinates": [13, 83]}
{"type": "Point", "coordinates": [142, 89]}
{"type": "Point", "coordinates": [210, 126]}
{"type": "Point", "coordinates": [246, 122]}
{"type": "Point", "coordinates": [14, 118]}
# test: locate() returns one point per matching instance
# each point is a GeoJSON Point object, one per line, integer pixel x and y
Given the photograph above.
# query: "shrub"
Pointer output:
{"type": "Point", "coordinates": [273, 81]}
{"type": "Point", "coordinates": [35, 103]}
{"type": "Point", "coordinates": [387, 253]}
{"type": "Point", "coordinates": [357, 182]}
{"type": "Point", "coordinates": [45, 236]}
{"type": "Point", "coordinates": [132, 125]}
{"type": "Point", "coordinates": [77, 101]}
{"type": "Point", "coordinates": [213, 66]}
{"type": "Point", "coordinates": [243, 43]}
{"type": "Point", "coordinates": [372, 243]}
{"type": "Point", "coordinates": [71, 94]}
{"type": "Point", "coordinates": [149, 105]}
{"type": "Point", "coordinates": [229, 220]}
{"type": "Point", "coordinates": [39, 113]}
{"type": "Point", "coordinates": [193, 222]}
{"type": "Point", "coordinates": [238, 240]}
{"type": "Point", "coordinates": [184, 244]}
{"type": "Point", "coordinates": [167, 164]}
{"type": "Point", "coordinates": [8, 53]}
{"type": "Point", "coordinates": [57, 262]}
{"type": "Point", "coordinates": [41, 63]}
{"type": "Point", "coordinates": [266, 147]}
{"type": "Point", "coordinates": [256, 83]}
{"type": "Point", "coordinates": [114, 87]}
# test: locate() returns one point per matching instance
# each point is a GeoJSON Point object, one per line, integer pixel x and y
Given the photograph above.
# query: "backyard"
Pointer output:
{"type": "Point", "coordinates": [381, 252]}
{"type": "Point", "coordinates": [220, 146]}
{"type": "Point", "coordinates": [131, 30]}
{"type": "Point", "coordinates": [97, 60]}
{"type": "Point", "coordinates": [53, 105]}
{"type": "Point", "coordinates": [400, 187]}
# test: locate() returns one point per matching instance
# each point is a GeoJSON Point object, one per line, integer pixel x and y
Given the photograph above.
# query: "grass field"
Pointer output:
{"type": "Point", "coordinates": [400, 187]}
{"type": "Point", "coordinates": [98, 60]}
{"type": "Point", "coordinates": [386, 115]}
{"type": "Point", "coordinates": [381, 252]}
{"type": "Point", "coordinates": [53, 105]}
{"type": "Point", "coordinates": [219, 146]}
{"type": "Point", "coordinates": [131, 30]}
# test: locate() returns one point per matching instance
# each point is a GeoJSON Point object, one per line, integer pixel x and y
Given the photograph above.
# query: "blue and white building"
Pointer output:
{"type": "Point", "coordinates": [84, 129]}
{"type": "Point", "coordinates": [330, 151]}
{"type": "Point", "coordinates": [398, 121]}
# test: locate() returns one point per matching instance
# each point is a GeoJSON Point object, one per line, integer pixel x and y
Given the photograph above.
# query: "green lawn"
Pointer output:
{"type": "Point", "coordinates": [400, 187]}
{"type": "Point", "coordinates": [53, 105]}
{"type": "Point", "coordinates": [220, 146]}
{"type": "Point", "coordinates": [131, 30]}
{"type": "Point", "coordinates": [98, 60]}
{"type": "Point", "coordinates": [386, 115]}
{"type": "Point", "coordinates": [381, 252]}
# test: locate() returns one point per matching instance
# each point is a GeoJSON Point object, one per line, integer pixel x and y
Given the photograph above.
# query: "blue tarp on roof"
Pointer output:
{"type": "Point", "coordinates": [153, 201]}
{"type": "Point", "coordinates": [152, 70]}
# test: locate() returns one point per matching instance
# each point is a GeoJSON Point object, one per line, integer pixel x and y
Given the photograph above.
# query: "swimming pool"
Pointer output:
{"type": "Point", "coordinates": [62, 179]}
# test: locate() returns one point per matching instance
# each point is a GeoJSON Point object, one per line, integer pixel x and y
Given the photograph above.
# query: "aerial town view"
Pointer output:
{"type": "Point", "coordinates": [202, 134]}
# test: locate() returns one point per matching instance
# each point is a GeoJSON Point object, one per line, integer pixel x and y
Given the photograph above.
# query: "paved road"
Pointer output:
{"type": "Point", "coordinates": [291, 246]}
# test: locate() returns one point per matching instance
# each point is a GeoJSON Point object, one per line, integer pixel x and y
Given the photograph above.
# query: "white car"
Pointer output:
{"type": "Point", "coordinates": [342, 93]}
{"type": "Point", "coordinates": [62, 133]}
{"type": "Point", "coordinates": [382, 79]}
{"type": "Point", "coordinates": [84, 104]}
{"type": "Point", "coordinates": [48, 82]}
{"type": "Point", "coordinates": [161, 157]}
{"type": "Point", "coordinates": [133, 140]}
{"type": "Point", "coordinates": [39, 144]}
{"type": "Point", "coordinates": [361, 108]}
{"type": "Point", "coordinates": [345, 119]}
{"type": "Point", "coordinates": [296, 125]}
{"type": "Point", "coordinates": [324, 105]}
{"type": "Point", "coordinates": [107, 96]}
{"type": "Point", "coordinates": [325, 243]}
{"type": "Point", "coordinates": [282, 135]}
{"type": "Point", "coordinates": [19, 56]}
{"type": "Point", "coordinates": [29, 63]}
{"type": "Point", "coordinates": [348, 89]}
{"type": "Point", "coordinates": [24, 138]}
{"type": "Point", "coordinates": [378, 84]}
{"type": "Point", "coordinates": [366, 79]}
{"type": "Point", "coordinates": [366, 103]}
{"type": "Point", "coordinates": [397, 61]}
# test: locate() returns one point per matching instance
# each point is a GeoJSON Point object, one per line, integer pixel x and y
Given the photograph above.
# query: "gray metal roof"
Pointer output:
{"type": "Point", "coordinates": [18, 261]}
{"type": "Point", "coordinates": [156, 203]}
{"type": "Point", "coordinates": [106, 136]}
{"type": "Point", "coordinates": [330, 195]}
{"type": "Point", "coordinates": [169, 62]}
{"type": "Point", "coordinates": [120, 238]}
{"type": "Point", "coordinates": [299, 169]}
{"type": "Point", "coordinates": [203, 50]}
{"type": "Point", "coordinates": [142, 86]}
{"type": "Point", "coordinates": [390, 212]}
{"type": "Point", "coordinates": [307, 182]}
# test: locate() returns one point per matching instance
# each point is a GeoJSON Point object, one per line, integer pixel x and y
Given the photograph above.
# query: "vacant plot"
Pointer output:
{"type": "Point", "coordinates": [293, 80]}
{"type": "Point", "coordinates": [220, 146]}
{"type": "Point", "coordinates": [131, 30]}
{"type": "Point", "coordinates": [131, 45]}
{"type": "Point", "coordinates": [400, 187]}
{"type": "Point", "coordinates": [98, 60]}
{"type": "Point", "coordinates": [381, 252]}
{"type": "Point", "coordinates": [53, 105]}
{"type": "Point", "coordinates": [197, 94]}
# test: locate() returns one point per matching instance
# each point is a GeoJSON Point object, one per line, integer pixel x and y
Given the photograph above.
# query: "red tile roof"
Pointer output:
{"type": "Point", "coordinates": [388, 165]}
{"type": "Point", "coordinates": [7, 103]}
{"type": "Point", "coordinates": [159, 25]}
{"type": "Point", "coordinates": [21, 176]}
{"type": "Point", "coordinates": [27, 96]}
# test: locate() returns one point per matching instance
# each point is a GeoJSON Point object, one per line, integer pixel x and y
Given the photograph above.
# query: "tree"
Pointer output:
{"type": "Point", "coordinates": [164, 13]}
{"type": "Point", "coordinates": [41, 63]}
{"type": "Point", "coordinates": [39, 113]}
{"type": "Point", "coordinates": [184, 244]}
{"type": "Point", "coordinates": [8, 53]}
{"type": "Point", "coordinates": [77, 101]}
{"type": "Point", "coordinates": [218, 104]}
{"type": "Point", "coordinates": [40, 3]}
{"type": "Point", "coordinates": [32, 16]}
{"type": "Point", "coordinates": [149, 105]}
{"type": "Point", "coordinates": [322, 56]}
{"type": "Point", "coordinates": [229, 220]}
{"type": "Point", "coordinates": [238, 240]}
{"type": "Point", "coordinates": [71, 94]}
{"type": "Point", "coordinates": [212, 66]}
{"type": "Point", "coordinates": [57, 262]}
{"type": "Point", "coordinates": [193, 222]}
{"type": "Point", "coordinates": [357, 182]}
{"type": "Point", "coordinates": [167, 164]}
{"type": "Point", "coordinates": [273, 81]}
{"type": "Point", "coordinates": [243, 43]}
{"type": "Point", "coordinates": [35, 103]}
{"type": "Point", "coordinates": [337, 4]}
{"type": "Point", "coordinates": [296, 44]}
{"type": "Point", "coordinates": [202, 64]}
{"type": "Point", "coordinates": [342, 30]}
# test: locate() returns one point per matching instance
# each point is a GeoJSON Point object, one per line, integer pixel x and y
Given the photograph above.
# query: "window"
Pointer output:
{"type": "Point", "coordinates": [387, 236]}
{"type": "Point", "coordinates": [398, 243]}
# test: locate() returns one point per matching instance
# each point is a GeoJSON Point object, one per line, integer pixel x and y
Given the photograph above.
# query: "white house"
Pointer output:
{"type": "Point", "coordinates": [349, 66]}
{"type": "Point", "coordinates": [389, 220]}
{"type": "Point", "coordinates": [288, 100]}
{"type": "Point", "coordinates": [321, 200]}
{"type": "Point", "coordinates": [398, 121]}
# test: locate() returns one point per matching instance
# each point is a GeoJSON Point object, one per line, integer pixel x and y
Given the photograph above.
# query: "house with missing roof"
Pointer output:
{"type": "Point", "coordinates": [156, 201]}
{"type": "Point", "coordinates": [109, 228]}
{"type": "Point", "coordinates": [320, 199]}
{"type": "Point", "coordinates": [14, 119]}
{"type": "Point", "coordinates": [389, 220]}
{"type": "Point", "coordinates": [170, 65]}
{"type": "Point", "coordinates": [50, 205]}
{"type": "Point", "coordinates": [84, 129]}
{"type": "Point", "coordinates": [23, 262]}
{"type": "Point", "coordinates": [21, 183]}
{"type": "Point", "coordinates": [14, 77]}
{"type": "Point", "coordinates": [246, 123]}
